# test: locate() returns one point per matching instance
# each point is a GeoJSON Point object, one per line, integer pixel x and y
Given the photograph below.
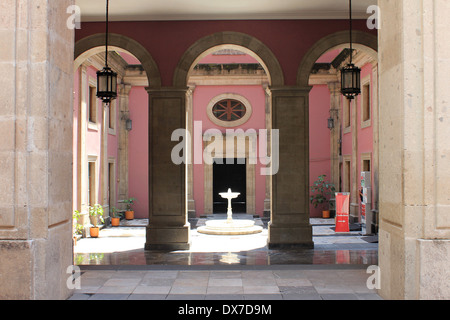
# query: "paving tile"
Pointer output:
{"type": "Point", "coordinates": [109, 297]}
{"type": "Point", "coordinates": [225, 282]}
{"type": "Point", "coordinates": [293, 282]}
{"type": "Point", "coordinates": [224, 297]}
{"type": "Point", "coordinates": [301, 297]}
{"type": "Point", "coordinates": [185, 297]}
{"type": "Point", "coordinates": [225, 275]}
{"type": "Point", "coordinates": [80, 296]}
{"type": "Point", "coordinates": [184, 282]}
{"type": "Point", "coordinates": [332, 288]}
{"type": "Point", "coordinates": [147, 297]}
{"type": "Point", "coordinates": [156, 282]}
{"type": "Point", "coordinates": [188, 290]}
{"type": "Point", "coordinates": [121, 282]}
{"type": "Point", "coordinates": [152, 289]}
{"type": "Point", "coordinates": [259, 282]}
{"type": "Point", "coordinates": [298, 290]}
{"type": "Point", "coordinates": [193, 275]}
{"type": "Point", "coordinates": [116, 289]}
{"type": "Point", "coordinates": [156, 274]}
{"type": "Point", "coordinates": [261, 290]}
{"type": "Point", "coordinates": [263, 297]}
{"type": "Point", "coordinates": [225, 290]}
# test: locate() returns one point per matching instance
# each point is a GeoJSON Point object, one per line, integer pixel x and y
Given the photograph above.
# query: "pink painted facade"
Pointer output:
{"type": "Point", "coordinates": [319, 137]}
{"type": "Point", "coordinates": [138, 151]}
{"type": "Point", "coordinates": [277, 36]}
{"type": "Point", "coordinates": [202, 96]}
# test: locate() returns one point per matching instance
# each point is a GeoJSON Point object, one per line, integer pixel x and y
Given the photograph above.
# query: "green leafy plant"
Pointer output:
{"type": "Point", "coordinates": [115, 213]}
{"type": "Point", "coordinates": [129, 203]}
{"type": "Point", "coordinates": [78, 228]}
{"type": "Point", "coordinates": [96, 212]}
{"type": "Point", "coordinates": [321, 191]}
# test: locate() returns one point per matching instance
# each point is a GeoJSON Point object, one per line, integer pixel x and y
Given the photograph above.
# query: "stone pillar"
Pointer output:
{"type": "Point", "coordinates": [414, 126]}
{"type": "Point", "coordinates": [289, 225]}
{"type": "Point", "coordinates": [36, 153]}
{"type": "Point", "coordinates": [190, 148]}
{"type": "Point", "coordinates": [168, 228]}
{"type": "Point", "coordinates": [124, 115]}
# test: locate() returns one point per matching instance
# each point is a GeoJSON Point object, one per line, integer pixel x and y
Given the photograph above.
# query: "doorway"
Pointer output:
{"type": "Point", "coordinates": [229, 174]}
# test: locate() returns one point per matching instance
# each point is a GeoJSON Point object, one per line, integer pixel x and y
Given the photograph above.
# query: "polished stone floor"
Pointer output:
{"type": "Point", "coordinates": [125, 246]}
{"type": "Point", "coordinates": [116, 267]}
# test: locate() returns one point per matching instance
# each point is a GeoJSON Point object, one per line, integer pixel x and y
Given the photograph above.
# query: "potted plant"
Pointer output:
{"type": "Point", "coordinates": [321, 191]}
{"type": "Point", "coordinates": [129, 213]}
{"type": "Point", "coordinates": [77, 228]}
{"type": "Point", "coordinates": [115, 217]}
{"type": "Point", "coordinates": [96, 216]}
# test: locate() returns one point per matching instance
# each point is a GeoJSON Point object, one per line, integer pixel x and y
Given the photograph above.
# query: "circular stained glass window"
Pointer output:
{"type": "Point", "coordinates": [229, 110]}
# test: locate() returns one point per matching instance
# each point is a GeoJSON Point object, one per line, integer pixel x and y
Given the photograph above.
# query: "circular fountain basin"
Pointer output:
{"type": "Point", "coordinates": [233, 227]}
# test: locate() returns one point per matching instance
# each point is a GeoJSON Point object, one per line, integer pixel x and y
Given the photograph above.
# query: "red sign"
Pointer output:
{"type": "Point", "coordinates": [342, 212]}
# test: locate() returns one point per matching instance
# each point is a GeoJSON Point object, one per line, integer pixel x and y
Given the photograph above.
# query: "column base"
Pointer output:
{"type": "Point", "coordinates": [167, 238]}
{"type": "Point", "coordinates": [297, 236]}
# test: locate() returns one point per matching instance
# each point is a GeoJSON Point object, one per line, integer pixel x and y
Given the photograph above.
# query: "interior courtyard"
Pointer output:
{"type": "Point", "coordinates": [214, 97]}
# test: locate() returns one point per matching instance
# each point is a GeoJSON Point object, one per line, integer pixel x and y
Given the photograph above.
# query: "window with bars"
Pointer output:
{"type": "Point", "coordinates": [229, 110]}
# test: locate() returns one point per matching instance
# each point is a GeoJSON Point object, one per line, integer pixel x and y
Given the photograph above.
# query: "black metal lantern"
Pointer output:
{"type": "Point", "coordinates": [106, 78]}
{"type": "Point", "coordinates": [106, 84]}
{"type": "Point", "coordinates": [350, 74]}
{"type": "Point", "coordinates": [350, 81]}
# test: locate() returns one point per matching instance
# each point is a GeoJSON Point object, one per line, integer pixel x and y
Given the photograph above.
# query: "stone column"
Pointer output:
{"type": "Point", "coordinates": [190, 148]}
{"type": "Point", "coordinates": [124, 114]}
{"type": "Point", "coordinates": [168, 228]}
{"type": "Point", "coordinates": [266, 212]}
{"type": "Point", "coordinates": [36, 115]}
{"type": "Point", "coordinates": [414, 129]}
{"type": "Point", "coordinates": [289, 225]}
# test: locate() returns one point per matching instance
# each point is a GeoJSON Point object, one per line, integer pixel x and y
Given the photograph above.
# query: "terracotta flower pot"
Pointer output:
{"type": "Point", "coordinates": [129, 215]}
{"type": "Point", "coordinates": [326, 214]}
{"type": "Point", "coordinates": [115, 222]}
{"type": "Point", "coordinates": [93, 231]}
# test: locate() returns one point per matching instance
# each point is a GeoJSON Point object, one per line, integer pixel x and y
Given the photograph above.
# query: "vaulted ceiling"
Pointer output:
{"type": "Point", "coordinates": [138, 10]}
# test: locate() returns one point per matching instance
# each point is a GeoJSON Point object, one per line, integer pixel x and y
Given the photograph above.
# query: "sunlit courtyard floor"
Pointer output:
{"type": "Point", "coordinates": [124, 245]}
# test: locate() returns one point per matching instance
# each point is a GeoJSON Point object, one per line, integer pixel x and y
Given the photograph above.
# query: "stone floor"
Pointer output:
{"type": "Point", "coordinates": [115, 266]}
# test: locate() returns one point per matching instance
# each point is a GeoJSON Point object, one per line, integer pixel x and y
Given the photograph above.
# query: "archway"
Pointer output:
{"type": "Point", "coordinates": [136, 69]}
{"type": "Point", "coordinates": [244, 45]}
{"type": "Point", "coordinates": [248, 43]}
{"type": "Point", "coordinates": [361, 40]}
{"type": "Point", "coordinates": [350, 151]}
{"type": "Point", "coordinates": [96, 43]}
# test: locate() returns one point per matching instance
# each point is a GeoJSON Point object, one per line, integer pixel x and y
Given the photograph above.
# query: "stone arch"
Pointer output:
{"type": "Point", "coordinates": [91, 44]}
{"type": "Point", "coordinates": [248, 43]}
{"type": "Point", "coordinates": [362, 40]}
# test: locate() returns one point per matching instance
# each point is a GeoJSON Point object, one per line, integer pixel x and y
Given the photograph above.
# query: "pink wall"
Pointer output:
{"type": "Point", "coordinates": [364, 135]}
{"type": "Point", "coordinates": [319, 145]}
{"type": "Point", "coordinates": [138, 151]}
{"type": "Point", "coordinates": [167, 41]}
{"type": "Point", "coordinates": [202, 96]}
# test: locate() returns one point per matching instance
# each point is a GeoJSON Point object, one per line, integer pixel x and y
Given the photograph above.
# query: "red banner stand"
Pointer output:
{"type": "Point", "coordinates": [342, 212]}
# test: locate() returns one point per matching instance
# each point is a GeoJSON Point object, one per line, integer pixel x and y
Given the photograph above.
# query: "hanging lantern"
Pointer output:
{"type": "Point", "coordinates": [106, 78]}
{"type": "Point", "coordinates": [350, 74]}
{"type": "Point", "coordinates": [350, 81]}
{"type": "Point", "coordinates": [106, 85]}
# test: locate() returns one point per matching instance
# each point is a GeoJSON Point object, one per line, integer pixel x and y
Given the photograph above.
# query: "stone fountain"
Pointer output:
{"type": "Point", "coordinates": [229, 226]}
